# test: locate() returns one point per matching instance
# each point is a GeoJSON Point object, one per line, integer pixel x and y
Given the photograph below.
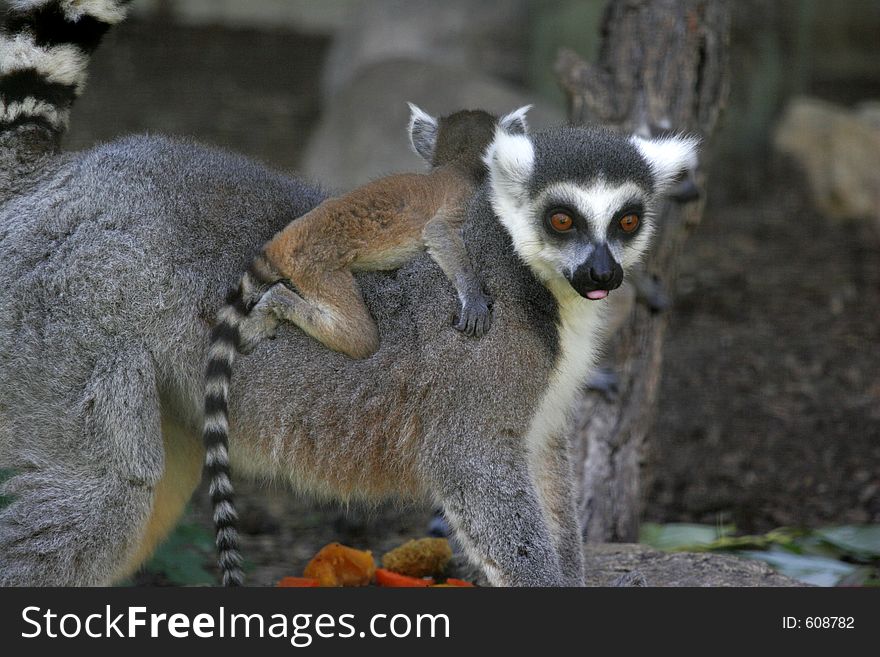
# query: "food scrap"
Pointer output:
{"type": "Point", "coordinates": [415, 564]}
{"type": "Point", "coordinates": [452, 581]}
{"type": "Point", "coordinates": [297, 582]}
{"type": "Point", "coordinates": [425, 557]}
{"type": "Point", "coordinates": [339, 565]}
{"type": "Point", "coordinates": [389, 578]}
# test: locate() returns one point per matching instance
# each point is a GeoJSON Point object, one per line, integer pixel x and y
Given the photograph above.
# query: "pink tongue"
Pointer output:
{"type": "Point", "coordinates": [597, 294]}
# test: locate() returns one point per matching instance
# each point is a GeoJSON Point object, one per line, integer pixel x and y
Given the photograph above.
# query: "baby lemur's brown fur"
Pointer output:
{"type": "Point", "coordinates": [305, 273]}
{"type": "Point", "coordinates": [378, 226]}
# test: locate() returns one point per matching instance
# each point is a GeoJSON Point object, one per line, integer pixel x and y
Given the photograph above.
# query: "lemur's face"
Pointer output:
{"type": "Point", "coordinates": [578, 202]}
{"type": "Point", "coordinates": [590, 233]}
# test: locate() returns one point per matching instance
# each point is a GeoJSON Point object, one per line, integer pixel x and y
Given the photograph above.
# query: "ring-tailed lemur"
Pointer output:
{"type": "Point", "coordinates": [376, 227]}
{"type": "Point", "coordinates": [112, 261]}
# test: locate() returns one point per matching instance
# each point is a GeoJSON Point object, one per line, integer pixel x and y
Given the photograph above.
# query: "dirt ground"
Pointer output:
{"type": "Point", "coordinates": [770, 404]}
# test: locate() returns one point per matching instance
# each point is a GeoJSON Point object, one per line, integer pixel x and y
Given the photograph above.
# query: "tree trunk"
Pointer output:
{"type": "Point", "coordinates": [661, 67]}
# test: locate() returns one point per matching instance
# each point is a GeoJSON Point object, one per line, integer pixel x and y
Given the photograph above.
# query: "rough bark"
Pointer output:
{"type": "Point", "coordinates": [661, 67]}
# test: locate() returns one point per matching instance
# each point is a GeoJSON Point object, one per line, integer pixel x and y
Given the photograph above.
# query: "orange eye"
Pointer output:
{"type": "Point", "coordinates": [629, 223]}
{"type": "Point", "coordinates": [561, 222]}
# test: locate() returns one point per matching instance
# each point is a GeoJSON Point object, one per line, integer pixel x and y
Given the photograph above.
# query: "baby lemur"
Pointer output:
{"type": "Point", "coordinates": [305, 273]}
{"type": "Point", "coordinates": [379, 226]}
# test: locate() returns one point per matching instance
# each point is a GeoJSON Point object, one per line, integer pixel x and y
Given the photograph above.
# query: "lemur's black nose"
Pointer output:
{"type": "Point", "coordinates": [600, 271]}
{"type": "Point", "coordinates": [601, 275]}
{"type": "Point", "coordinates": [601, 265]}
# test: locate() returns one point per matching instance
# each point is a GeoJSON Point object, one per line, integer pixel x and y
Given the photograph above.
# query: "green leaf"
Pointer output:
{"type": "Point", "coordinates": [183, 556]}
{"type": "Point", "coordinates": [857, 540]}
{"type": "Point", "coordinates": [818, 571]}
{"type": "Point", "coordinates": [682, 536]}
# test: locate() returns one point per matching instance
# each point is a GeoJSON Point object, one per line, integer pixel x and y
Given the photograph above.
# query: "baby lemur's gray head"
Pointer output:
{"type": "Point", "coordinates": [579, 202]}
{"type": "Point", "coordinates": [461, 137]}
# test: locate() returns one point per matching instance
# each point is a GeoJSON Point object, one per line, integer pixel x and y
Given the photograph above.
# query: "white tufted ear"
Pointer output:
{"type": "Point", "coordinates": [422, 132]}
{"type": "Point", "coordinates": [515, 122]}
{"type": "Point", "coordinates": [510, 159]}
{"type": "Point", "coordinates": [668, 157]}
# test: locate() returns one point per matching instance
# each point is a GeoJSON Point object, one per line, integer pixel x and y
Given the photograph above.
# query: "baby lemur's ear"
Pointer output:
{"type": "Point", "coordinates": [515, 122]}
{"type": "Point", "coordinates": [422, 132]}
{"type": "Point", "coordinates": [668, 157]}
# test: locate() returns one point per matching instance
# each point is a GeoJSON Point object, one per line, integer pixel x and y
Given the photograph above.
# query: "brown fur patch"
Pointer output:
{"type": "Point", "coordinates": [378, 459]}
{"type": "Point", "coordinates": [379, 226]}
{"type": "Point", "coordinates": [367, 227]}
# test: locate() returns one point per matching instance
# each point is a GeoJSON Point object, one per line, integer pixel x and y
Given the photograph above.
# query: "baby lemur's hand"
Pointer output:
{"type": "Point", "coordinates": [475, 316]}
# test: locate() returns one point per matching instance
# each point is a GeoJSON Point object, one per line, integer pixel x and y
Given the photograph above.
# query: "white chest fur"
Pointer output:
{"type": "Point", "coordinates": [581, 336]}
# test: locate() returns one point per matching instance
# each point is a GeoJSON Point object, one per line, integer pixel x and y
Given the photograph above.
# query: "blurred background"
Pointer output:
{"type": "Point", "coordinates": [769, 411]}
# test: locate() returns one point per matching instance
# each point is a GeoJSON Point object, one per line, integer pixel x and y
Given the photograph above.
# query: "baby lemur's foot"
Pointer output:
{"type": "Point", "coordinates": [263, 319]}
{"type": "Point", "coordinates": [259, 325]}
{"type": "Point", "coordinates": [248, 341]}
{"type": "Point", "coordinates": [281, 302]}
{"type": "Point", "coordinates": [475, 317]}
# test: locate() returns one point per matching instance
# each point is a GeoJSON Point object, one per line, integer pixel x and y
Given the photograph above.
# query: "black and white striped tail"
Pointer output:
{"type": "Point", "coordinates": [44, 52]}
{"type": "Point", "coordinates": [225, 341]}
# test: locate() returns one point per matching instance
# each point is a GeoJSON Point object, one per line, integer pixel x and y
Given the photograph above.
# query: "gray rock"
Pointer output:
{"type": "Point", "coordinates": [869, 112]}
{"type": "Point", "coordinates": [488, 36]}
{"type": "Point", "coordinates": [633, 565]}
{"type": "Point", "coordinates": [626, 564]}
{"type": "Point", "coordinates": [839, 151]}
{"type": "Point", "coordinates": [362, 133]}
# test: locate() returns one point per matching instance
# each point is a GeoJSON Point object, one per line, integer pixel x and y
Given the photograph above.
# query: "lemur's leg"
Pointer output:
{"type": "Point", "coordinates": [495, 512]}
{"type": "Point", "coordinates": [331, 310]}
{"type": "Point", "coordinates": [552, 471]}
{"type": "Point", "coordinates": [81, 517]}
{"type": "Point", "coordinates": [442, 237]}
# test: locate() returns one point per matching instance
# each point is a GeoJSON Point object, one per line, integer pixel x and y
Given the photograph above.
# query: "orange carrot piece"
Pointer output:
{"type": "Point", "coordinates": [396, 580]}
{"type": "Point", "coordinates": [297, 582]}
{"type": "Point", "coordinates": [452, 581]}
